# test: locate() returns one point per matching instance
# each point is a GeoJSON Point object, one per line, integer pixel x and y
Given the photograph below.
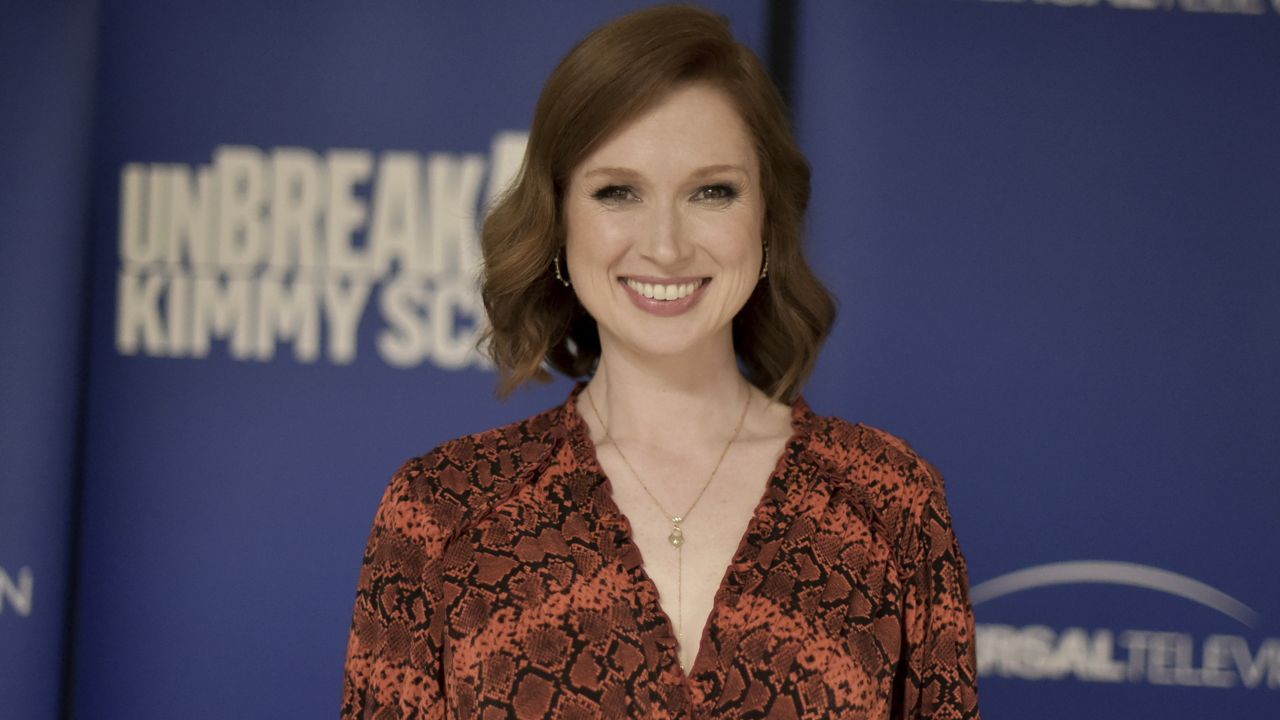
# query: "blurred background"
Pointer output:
{"type": "Point", "coordinates": [238, 291]}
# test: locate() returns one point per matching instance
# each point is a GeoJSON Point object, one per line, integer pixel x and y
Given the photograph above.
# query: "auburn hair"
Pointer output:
{"type": "Point", "coordinates": [612, 76]}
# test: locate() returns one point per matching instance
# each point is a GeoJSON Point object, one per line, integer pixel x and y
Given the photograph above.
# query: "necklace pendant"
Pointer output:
{"type": "Point", "coordinates": [676, 538]}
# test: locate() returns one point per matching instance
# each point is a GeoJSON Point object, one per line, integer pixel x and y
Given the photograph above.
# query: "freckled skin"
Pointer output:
{"type": "Point", "coordinates": [673, 194]}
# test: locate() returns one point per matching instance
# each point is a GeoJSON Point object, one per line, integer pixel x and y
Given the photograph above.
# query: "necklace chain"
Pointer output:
{"type": "Point", "coordinates": [676, 538]}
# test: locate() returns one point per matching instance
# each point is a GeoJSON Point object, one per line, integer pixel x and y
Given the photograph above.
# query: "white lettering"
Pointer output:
{"type": "Point", "coordinates": [288, 311]}
{"type": "Point", "coordinates": [344, 302]}
{"type": "Point", "coordinates": [1235, 7]}
{"type": "Point", "coordinates": [347, 212]}
{"type": "Point", "coordinates": [178, 315]}
{"type": "Point", "coordinates": [1216, 653]}
{"type": "Point", "coordinates": [296, 208]}
{"type": "Point", "coordinates": [1169, 659]}
{"type": "Point", "coordinates": [1037, 652]}
{"type": "Point", "coordinates": [158, 186]}
{"type": "Point", "coordinates": [1135, 641]}
{"type": "Point", "coordinates": [241, 208]}
{"type": "Point", "coordinates": [190, 217]}
{"type": "Point", "coordinates": [506, 154]}
{"type": "Point", "coordinates": [21, 594]}
{"type": "Point", "coordinates": [394, 235]}
{"type": "Point", "coordinates": [407, 341]}
{"type": "Point", "coordinates": [1251, 668]}
{"type": "Point", "coordinates": [138, 312]}
{"type": "Point", "coordinates": [1238, 7]}
{"type": "Point", "coordinates": [1271, 651]}
{"type": "Point", "coordinates": [453, 186]}
{"type": "Point", "coordinates": [221, 308]}
{"type": "Point", "coordinates": [455, 306]}
{"type": "Point", "coordinates": [285, 245]}
{"type": "Point", "coordinates": [443, 321]}
{"type": "Point", "coordinates": [136, 244]}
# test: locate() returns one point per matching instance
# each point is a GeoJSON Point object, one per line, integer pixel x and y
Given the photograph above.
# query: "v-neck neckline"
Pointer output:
{"type": "Point", "coordinates": [763, 518]}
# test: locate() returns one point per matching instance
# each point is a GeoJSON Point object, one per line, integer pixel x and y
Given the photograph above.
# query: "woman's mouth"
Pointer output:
{"type": "Point", "coordinates": [664, 296]}
{"type": "Point", "coordinates": [659, 291]}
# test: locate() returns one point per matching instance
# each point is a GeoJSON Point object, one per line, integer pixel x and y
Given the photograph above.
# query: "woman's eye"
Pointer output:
{"type": "Point", "coordinates": [614, 193]}
{"type": "Point", "coordinates": [716, 193]}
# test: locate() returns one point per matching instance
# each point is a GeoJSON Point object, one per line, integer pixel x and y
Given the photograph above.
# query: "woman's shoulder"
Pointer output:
{"type": "Point", "coordinates": [883, 474]}
{"type": "Point", "coordinates": [876, 461]}
{"type": "Point", "coordinates": [460, 476]}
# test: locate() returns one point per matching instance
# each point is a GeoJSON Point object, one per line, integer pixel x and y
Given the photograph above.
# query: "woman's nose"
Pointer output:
{"type": "Point", "coordinates": [667, 242]}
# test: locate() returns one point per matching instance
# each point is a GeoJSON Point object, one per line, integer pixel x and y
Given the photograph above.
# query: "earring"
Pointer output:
{"type": "Point", "coordinates": [764, 269]}
{"type": "Point", "coordinates": [556, 263]}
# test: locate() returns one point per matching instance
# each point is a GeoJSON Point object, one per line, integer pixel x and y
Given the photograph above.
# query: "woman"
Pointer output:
{"type": "Point", "coordinates": [684, 537]}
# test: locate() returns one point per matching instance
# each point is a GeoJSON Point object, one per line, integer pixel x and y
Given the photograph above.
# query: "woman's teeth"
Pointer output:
{"type": "Point", "coordinates": [663, 292]}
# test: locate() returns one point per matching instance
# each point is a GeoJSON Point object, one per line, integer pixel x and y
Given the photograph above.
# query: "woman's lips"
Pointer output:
{"type": "Point", "coordinates": [684, 293]}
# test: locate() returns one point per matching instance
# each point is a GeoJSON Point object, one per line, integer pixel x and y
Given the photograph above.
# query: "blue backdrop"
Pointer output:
{"type": "Point", "coordinates": [228, 494]}
{"type": "Point", "coordinates": [1051, 226]}
{"type": "Point", "coordinates": [1054, 234]}
{"type": "Point", "coordinates": [46, 78]}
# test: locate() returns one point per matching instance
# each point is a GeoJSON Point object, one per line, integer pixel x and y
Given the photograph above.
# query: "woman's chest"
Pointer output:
{"type": "Point", "coordinates": [687, 561]}
{"type": "Point", "coordinates": [549, 599]}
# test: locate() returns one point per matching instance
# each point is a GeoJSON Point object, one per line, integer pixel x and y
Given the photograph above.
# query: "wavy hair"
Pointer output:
{"type": "Point", "coordinates": [614, 75]}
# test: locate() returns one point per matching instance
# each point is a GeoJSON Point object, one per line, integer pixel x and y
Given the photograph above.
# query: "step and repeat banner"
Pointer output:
{"type": "Point", "coordinates": [1053, 227]}
{"type": "Point", "coordinates": [1055, 232]}
{"type": "Point", "coordinates": [284, 310]}
{"type": "Point", "coordinates": [46, 82]}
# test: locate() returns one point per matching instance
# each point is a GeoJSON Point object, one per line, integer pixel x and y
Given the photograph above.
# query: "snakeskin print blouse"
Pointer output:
{"type": "Point", "coordinates": [500, 581]}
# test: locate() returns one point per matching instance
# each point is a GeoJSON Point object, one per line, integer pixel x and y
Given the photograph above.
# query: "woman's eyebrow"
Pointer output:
{"type": "Point", "coordinates": [612, 172]}
{"type": "Point", "coordinates": [622, 172]}
{"type": "Point", "coordinates": [716, 169]}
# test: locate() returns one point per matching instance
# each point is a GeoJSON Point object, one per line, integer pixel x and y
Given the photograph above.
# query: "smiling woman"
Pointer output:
{"type": "Point", "coordinates": [622, 75]}
{"type": "Point", "coordinates": [666, 217]}
{"type": "Point", "coordinates": [692, 540]}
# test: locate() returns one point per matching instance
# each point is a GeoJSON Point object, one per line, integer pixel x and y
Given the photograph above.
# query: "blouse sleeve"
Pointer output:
{"type": "Point", "coordinates": [938, 675]}
{"type": "Point", "coordinates": [394, 653]}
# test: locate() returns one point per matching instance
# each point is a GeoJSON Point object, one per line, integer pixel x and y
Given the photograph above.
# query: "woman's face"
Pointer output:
{"type": "Point", "coordinates": [664, 226]}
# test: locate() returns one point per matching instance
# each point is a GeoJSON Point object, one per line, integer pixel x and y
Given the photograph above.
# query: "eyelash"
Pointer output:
{"type": "Point", "coordinates": [725, 193]}
{"type": "Point", "coordinates": [613, 193]}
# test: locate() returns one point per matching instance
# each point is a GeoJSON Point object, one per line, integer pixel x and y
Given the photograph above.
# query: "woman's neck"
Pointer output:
{"type": "Point", "coordinates": [668, 401]}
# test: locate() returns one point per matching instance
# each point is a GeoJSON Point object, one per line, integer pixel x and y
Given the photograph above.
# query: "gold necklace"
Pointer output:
{"type": "Point", "coordinates": [676, 538]}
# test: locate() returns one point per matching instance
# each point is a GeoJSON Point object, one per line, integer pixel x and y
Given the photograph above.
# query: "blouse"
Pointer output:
{"type": "Point", "coordinates": [501, 581]}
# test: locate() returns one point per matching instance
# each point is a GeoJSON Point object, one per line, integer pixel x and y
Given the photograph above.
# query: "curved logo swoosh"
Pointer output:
{"type": "Point", "coordinates": [1106, 572]}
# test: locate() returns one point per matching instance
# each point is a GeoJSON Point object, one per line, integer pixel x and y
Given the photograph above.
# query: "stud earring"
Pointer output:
{"type": "Point", "coordinates": [764, 269]}
{"type": "Point", "coordinates": [556, 264]}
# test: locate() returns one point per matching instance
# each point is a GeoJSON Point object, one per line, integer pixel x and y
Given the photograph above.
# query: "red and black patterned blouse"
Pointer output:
{"type": "Point", "coordinates": [500, 581]}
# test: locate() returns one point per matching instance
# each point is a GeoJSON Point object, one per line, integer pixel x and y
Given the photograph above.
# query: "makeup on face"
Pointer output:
{"type": "Point", "coordinates": [664, 224]}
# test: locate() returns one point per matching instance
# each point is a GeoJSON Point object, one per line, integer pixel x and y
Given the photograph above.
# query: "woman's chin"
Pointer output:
{"type": "Point", "coordinates": [669, 343]}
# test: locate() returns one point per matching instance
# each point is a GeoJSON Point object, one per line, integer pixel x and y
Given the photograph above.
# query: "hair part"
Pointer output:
{"type": "Point", "coordinates": [612, 76]}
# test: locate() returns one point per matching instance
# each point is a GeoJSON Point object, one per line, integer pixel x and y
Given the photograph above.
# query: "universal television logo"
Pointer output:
{"type": "Point", "coordinates": [1041, 652]}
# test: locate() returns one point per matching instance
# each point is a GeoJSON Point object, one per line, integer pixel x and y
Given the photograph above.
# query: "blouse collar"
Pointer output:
{"type": "Point", "coordinates": [803, 421]}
